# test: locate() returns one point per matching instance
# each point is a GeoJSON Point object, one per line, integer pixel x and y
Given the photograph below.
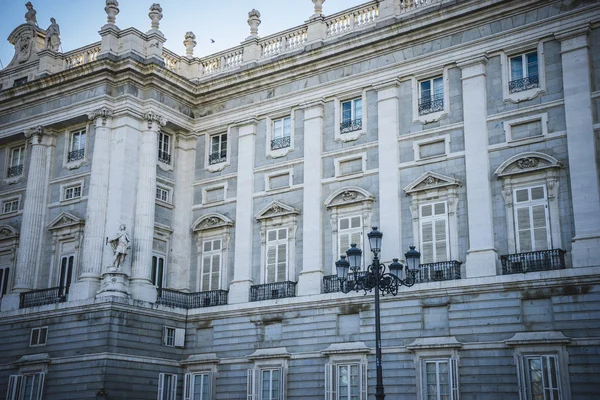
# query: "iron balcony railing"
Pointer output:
{"type": "Point", "coordinates": [268, 291]}
{"type": "Point", "coordinates": [17, 170]}
{"type": "Point", "coordinates": [331, 283]}
{"type": "Point", "coordinates": [164, 157]}
{"type": "Point", "coordinates": [428, 105]}
{"type": "Point", "coordinates": [76, 155]}
{"type": "Point", "coordinates": [520, 85]}
{"type": "Point", "coordinates": [439, 271]}
{"type": "Point", "coordinates": [281, 143]}
{"type": "Point", "coordinates": [175, 298]}
{"type": "Point", "coordinates": [217, 157]}
{"type": "Point", "coordinates": [544, 260]}
{"type": "Point", "coordinates": [351, 125]}
{"type": "Point", "coordinates": [40, 297]}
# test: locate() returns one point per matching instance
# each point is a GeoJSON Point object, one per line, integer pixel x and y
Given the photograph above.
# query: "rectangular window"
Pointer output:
{"type": "Point", "coordinates": [20, 81]}
{"type": "Point", "coordinates": [72, 192]}
{"type": "Point", "coordinates": [197, 386]}
{"type": "Point", "coordinates": [349, 231]}
{"type": "Point", "coordinates": [276, 265]}
{"type": "Point", "coordinates": [434, 232]}
{"type": "Point", "coordinates": [351, 115]}
{"type": "Point", "coordinates": [164, 148]}
{"type": "Point", "coordinates": [346, 381]}
{"type": "Point", "coordinates": [26, 387]}
{"type": "Point", "coordinates": [4, 275]}
{"type": "Point", "coordinates": [210, 279]}
{"type": "Point", "coordinates": [167, 387]}
{"type": "Point", "coordinates": [282, 130]}
{"type": "Point", "coordinates": [270, 384]}
{"type": "Point", "coordinates": [173, 337]}
{"type": "Point", "coordinates": [218, 149]}
{"type": "Point", "coordinates": [15, 165]}
{"type": "Point", "coordinates": [158, 270]}
{"type": "Point", "coordinates": [77, 141]}
{"type": "Point", "coordinates": [38, 336]}
{"type": "Point", "coordinates": [439, 379]}
{"type": "Point", "coordinates": [542, 377]}
{"type": "Point", "coordinates": [66, 273]}
{"type": "Point", "coordinates": [9, 206]}
{"type": "Point", "coordinates": [523, 72]}
{"type": "Point", "coordinates": [431, 95]}
{"type": "Point", "coordinates": [531, 219]}
{"type": "Point", "coordinates": [162, 194]}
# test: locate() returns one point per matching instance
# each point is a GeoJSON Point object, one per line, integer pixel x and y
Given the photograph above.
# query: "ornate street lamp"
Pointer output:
{"type": "Point", "coordinates": [378, 278]}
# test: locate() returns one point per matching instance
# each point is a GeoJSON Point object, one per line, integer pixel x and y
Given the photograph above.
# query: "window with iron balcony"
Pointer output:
{"type": "Point", "coordinates": [282, 130]}
{"type": "Point", "coordinates": [77, 141]}
{"type": "Point", "coordinates": [352, 116]}
{"type": "Point", "coordinates": [15, 165]}
{"type": "Point", "coordinates": [164, 148]}
{"type": "Point", "coordinates": [218, 149]}
{"type": "Point", "coordinates": [431, 95]}
{"type": "Point", "coordinates": [523, 72]}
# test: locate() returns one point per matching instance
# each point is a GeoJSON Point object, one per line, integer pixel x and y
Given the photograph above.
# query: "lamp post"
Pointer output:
{"type": "Point", "coordinates": [379, 278]}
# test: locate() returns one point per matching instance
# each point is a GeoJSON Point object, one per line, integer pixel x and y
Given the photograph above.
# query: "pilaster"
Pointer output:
{"type": "Point", "coordinates": [581, 146]}
{"type": "Point", "coordinates": [481, 257]}
{"type": "Point", "coordinates": [239, 290]}
{"type": "Point", "coordinates": [311, 276]}
{"type": "Point", "coordinates": [97, 207]}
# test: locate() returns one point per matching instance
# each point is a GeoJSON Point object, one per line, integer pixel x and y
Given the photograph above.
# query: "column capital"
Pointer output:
{"type": "Point", "coordinates": [574, 39]}
{"type": "Point", "coordinates": [473, 66]}
{"type": "Point", "coordinates": [247, 127]}
{"type": "Point", "coordinates": [313, 109]}
{"type": "Point", "coordinates": [36, 131]}
{"type": "Point", "coordinates": [154, 120]}
{"type": "Point", "coordinates": [387, 90]}
{"type": "Point", "coordinates": [101, 115]}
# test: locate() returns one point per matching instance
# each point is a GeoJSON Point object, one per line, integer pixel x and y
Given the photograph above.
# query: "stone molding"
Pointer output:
{"type": "Point", "coordinates": [211, 221]}
{"type": "Point", "coordinates": [348, 195]}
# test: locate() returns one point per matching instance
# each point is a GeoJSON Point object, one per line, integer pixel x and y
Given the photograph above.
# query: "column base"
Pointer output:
{"type": "Point", "coordinates": [85, 288]}
{"type": "Point", "coordinates": [10, 302]}
{"type": "Point", "coordinates": [143, 290]}
{"type": "Point", "coordinates": [585, 251]}
{"type": "Point", "coordinates": [310, 282]}
{"type": "Point", "coordinates": [239, 292]}
{"type": "Point", "coordinates": [481, 263]}
{"type": "Point", "coordinates": [114, 283]}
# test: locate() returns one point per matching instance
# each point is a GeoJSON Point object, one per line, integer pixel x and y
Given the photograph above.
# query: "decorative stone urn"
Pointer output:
{"type": "Point", "coordinates": [111, 9]}
{"type": "Point", "coordinates": [253, 22]}
{"type": "Point", "coordinates": [189, 42]}
{"type": "Point", "coordinates": [155, 15]}
{"type": "Point", "coordinates": [318, 8]}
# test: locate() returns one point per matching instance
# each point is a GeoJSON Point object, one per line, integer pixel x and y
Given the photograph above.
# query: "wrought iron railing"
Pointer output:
{"type": "Point", "coordinates": [277, 290]}
{"type": "Point", "coordinates": [217, 157]}
{"type": "Point", "coordinates": [164, 157]}
{"type": "Point", "coordinates": [331, 283]}
{"type": "Point", "coordinates": [439, 271]}
{"type": "Point", "coordinates": [175, 298]}
{"type": "Point", "coordinates": [428, 105]}
{"type": "Point", "coordinates": [40, 297]}
{"type": "Point", "coordinates": [15, 171]}
{"type": "Point", "coordinates": [351, 125]}
{"type": "Point", "coordinates": [520, 85]}
{"type": "Point", "coordinates": [281, 143]}
{"type": "Point", "coordinates": [544, 260]}
{"type": "Point", "coordinates": [76, 155]}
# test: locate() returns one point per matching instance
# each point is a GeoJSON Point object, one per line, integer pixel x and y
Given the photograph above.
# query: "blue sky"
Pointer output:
{"type": "Point", "coordinates": [222, 20]}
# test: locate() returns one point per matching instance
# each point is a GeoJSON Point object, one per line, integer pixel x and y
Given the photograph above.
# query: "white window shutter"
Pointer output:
{"type": "Point", "coordinates": [441, 242]}
{"type": "Point", "coordinates": [344, 243]}
{"type": "Point", "coordinates": [161, 384]}
{"type": "Point", "coordinates": [271, 264]}
{"type": "Point", "coordinates": [215, 281]}
{"type": "Point", "coordinates": [206, 261]}
{"type": "Point", "coordinates": [14, 384]}
{"type": "Point", "coordinates": [364, 384]}
{"type": "Point", "coordinates": [524, 229]}
{"type": "Point", "coordinates": [281, 262]}
{"type": "Point", "coordinates": [521, 377]}
{"type": "Point", "coordinates": [540, 227]}
{"type": "Point", "coordinates": [209, 376]}
{"type": "Point", "coordinates": [283, 388]}
{"type": "Point", "coordinates": [173, 394]}
{"type": "Point", "coordinates": [187, 386]}
{"type": "Point", "coordinates": [164, 335]}
{"type": "Point", "coordinates": [427, 241]}
{"type": "Point", "coordinates": [251, 386]}
{"type": "Point", "coordinates": [179, 337]}
{"type": "Point", "coordinates": [329, 382]}
{"type": "Point", "coordinates": [41, 378]}
{"type": "Point", "coordinates": [454, 376]}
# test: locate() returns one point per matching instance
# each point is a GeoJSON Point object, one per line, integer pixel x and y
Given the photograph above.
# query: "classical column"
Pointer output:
{"type": "Point", "coordinates": [95, 222]}
{"type": "Point", "coordinates": [581, 146]}
{"type": "Point", "coordinates": [239, 290]}
{"type": "Point", "coordinates": [143, 231]}
{"type": "Point", "coordinates": [481, 256]}
{"type": "Point", "coordinates": [311, 276]}
{"type": "Point", "coordinates": [185, 156]}
{"type": "Point", "coordinates": [389, 182]}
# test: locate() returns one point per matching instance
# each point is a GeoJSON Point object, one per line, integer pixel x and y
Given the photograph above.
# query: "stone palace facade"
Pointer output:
{"type": "Point", "coordinates": [169, 225]}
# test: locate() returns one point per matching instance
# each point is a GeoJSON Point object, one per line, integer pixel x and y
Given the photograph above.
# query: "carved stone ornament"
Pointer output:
{"type": "Point", "coordinates": [318, 8]}
{"type": "Point", "coordinates": [253, 22]}
{"type": "Point", "coordinates": [65, 219]}
{"type": "Point", "coordinates": [7, 232]}
{"type": "Point", "coordinates": [189, 42]}
{"type": "Point", "coordinates": [211, 221]}
{"type": "Point", "coordinates": [53, 36]}
{"type": "Point", "coordinates": [429, 181]}
{"type": "Point", "coordinates": [528, 162]}
{"type": "Point", "coordinates": [30, 17]}
{"type": "Point", "coordinates": [103, 113]}
{"type": "Point", "coordinates": [349, 196]}
{"type": "Point", "coordinates": [38, 130]}
{"type": "Point", "coordinates": [155, 15]}
{"type": "Point", "coordinates": [275, 209]}
{"type": "Point", "coordinates": [111, 9]}
{"type": "Point", "coordinates": [152, 117]}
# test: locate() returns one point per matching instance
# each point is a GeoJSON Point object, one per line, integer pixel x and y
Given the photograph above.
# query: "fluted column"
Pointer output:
{"type": "Point", "coordinates": [311, 276]}
{"type": "Point", "coordinates": [143, 231]}
{"type": "Point", "coordinates": [481, 257]}
{"type": "Point", "coordinates": [32, 224]}
{"type": "Point", "coordinates": [95, 222]}
{"type": "Point", "coordinates": [239, 290]}
{"type": "Point", "coordinates": [185, 159]}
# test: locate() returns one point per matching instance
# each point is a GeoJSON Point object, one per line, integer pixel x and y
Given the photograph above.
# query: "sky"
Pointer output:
{"type": "Point", "coordinates": [225, 21]}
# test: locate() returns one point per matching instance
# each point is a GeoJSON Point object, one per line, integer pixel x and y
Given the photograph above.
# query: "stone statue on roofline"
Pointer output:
{"type": "Point", "coordinates": [53, 36]}
{"type": "Point", "coordinates": [30, 17]}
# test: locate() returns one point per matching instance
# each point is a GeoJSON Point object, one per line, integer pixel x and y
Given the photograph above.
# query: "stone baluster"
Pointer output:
{"type": "Point", "coordinates": [312, 272]}
{"type": "Point", "coordinates": [189, 42]}
{"type": "Point", "coordinates": [143, 231]}
{"type": "Point", "coordinates": [481, 257]}
{"type": "Point", "coordinates": [239, 290]}
{"type": "Point", "coordinates": [97, 207]}
{"type": "Point", "coordinates": [581, 146]}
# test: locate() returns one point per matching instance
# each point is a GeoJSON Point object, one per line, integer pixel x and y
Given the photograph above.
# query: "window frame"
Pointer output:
{"type": "Point", "coordinates": [11, 200]}
{"type": "Point", "coordinates": [267, 359]}
{"type": "Point", "coordinates": [66, 277]}
{"type": "Point", "coordinates": [417, 148]}
{"type": "Point", "coordinates": [5, 280]}
{"type": "Point", "coordinates": [530, 204]}
{"type": "Point", "coordinates": [172, 393]}
{"type": "Point", "coordinates": [13, 178]}
{"type": "Point", "coordinates": [206, 189]}
{"type": "Point", "coordinates": [73, 185]}
{"type": "Point", "coordinates": [38, 342]}
{"type": "Point", "coordinates": [173, 337]}
{"type": "Point", "coordinates": [342, 98]}
{"type": "Point", "coordinates": [434, 83]}
{"type": "Point", "coordinates": [276, 243]}
{"type": "Point", "coordinates": [164, 151]}
{"type": "Point", "coordinates": [68, 145]}
{"type": "Point", "coordinates": [430, 75]}
{"type": "Point", "coordinates": [515, 51]}
{"type": "Point", "coordinates": [156, 268]}
{"type": "Point", "coordinates": [346, 354]}
{"type": "Point", "coordinates": [270, 122]}
{"type": "Point", "coordinates": [340, 160]}
{"type": "Point", "coordinates": [268, 176]}
{"type": "Point", "coordinates": [209, 227]}
{"type": "Point", "coordinates": [212, 253]}
{"type": "Point", "coordinates": [16, 386]}
{"type": "Point", "coordinates": [226, 161]}
{"type": "Point", "coordinates": [433, 219]}
{"type": "Point", "coordinates": [525, 73]}
{"type": "Point", "coordinates": [189, 383]}
{"type": "Point", "coordinates": [508, 124]}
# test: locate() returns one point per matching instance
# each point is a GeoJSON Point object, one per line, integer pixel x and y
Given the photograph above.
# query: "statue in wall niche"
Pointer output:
{"type": "Point", "coordinates": [53, 36]}
{"type": "Point", "coordinates": [120, 243]}
{"type": "Point", "coordinates": [30, 17]}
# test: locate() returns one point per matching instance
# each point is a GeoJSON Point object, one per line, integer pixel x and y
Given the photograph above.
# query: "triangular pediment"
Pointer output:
{"type": "Point", "coordinates": [528, 162]}
{"type": "Point", "coordinates": [276, 209]}
{"type": "Point", "coordinates": [348, 195]}
{"type": "Point", "coordinates": [431, 180]}
{"type": "Point", "coordinates": [64, 220]}
{"type": "Point", "coordinates": [211, 221]}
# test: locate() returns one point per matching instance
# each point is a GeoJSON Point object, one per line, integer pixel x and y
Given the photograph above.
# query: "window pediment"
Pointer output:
{"type": "Point", "coordinates": [8, 232]}
{"type": "Point", "coordinates": [211, 221]}
{"type": "Point", "coordinates": [348, 195]}
{"type": "Point", "coordinates": [527, 163]}
{"type": "Point", "coordinates": [65, 220]}
{"type": "Point", "coordinates": [431, 180]}
{"type": "Point", "coordinates": [276, 209]}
